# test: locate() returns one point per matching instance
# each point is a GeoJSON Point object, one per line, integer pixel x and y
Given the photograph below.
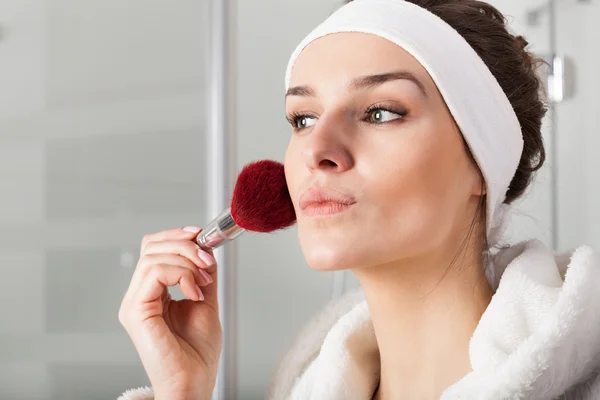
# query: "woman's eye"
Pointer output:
{"type": "Point", "coordinates": [303, 121]}
{"type": "Point", "coordinates": [379, 116]}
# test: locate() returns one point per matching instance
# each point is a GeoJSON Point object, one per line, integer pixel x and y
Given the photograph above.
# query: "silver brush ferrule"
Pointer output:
{"type": "Point", "coordinates": [219, 231]}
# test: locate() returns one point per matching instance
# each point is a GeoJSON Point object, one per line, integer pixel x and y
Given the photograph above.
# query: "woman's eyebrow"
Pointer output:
{"type": "Point", "coordinates": [370, 81]}
{"type": "Point", "coordinates": [364, 82]}
{"type": "Point", "coordinates": [303, 90]}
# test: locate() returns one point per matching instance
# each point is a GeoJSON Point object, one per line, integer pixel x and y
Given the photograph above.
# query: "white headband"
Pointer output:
{"type": "Point", "coordinates": [475, 99]}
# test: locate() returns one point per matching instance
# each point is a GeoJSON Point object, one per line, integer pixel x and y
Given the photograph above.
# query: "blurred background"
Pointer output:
{"type": "Point", "coordinates": [103, 124]}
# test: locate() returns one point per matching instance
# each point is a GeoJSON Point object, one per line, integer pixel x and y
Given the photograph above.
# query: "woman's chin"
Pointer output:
{"type": "Point", "coordinates": [326, 258]}
{"type": "Point", "coordinates": [333, 248]}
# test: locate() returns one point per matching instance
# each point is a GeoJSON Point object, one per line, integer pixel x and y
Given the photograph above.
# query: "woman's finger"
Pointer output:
{"type": "Point", "coordinates": [186, 233]}
{"type": "Point", "coordinates": [149, 261]}
{"type": "Point", "coordinates": [185, 248]}
{"type": "Point", "coordinates": [190, 289]}
{"type": "Point", "coordinates": [162, 276]}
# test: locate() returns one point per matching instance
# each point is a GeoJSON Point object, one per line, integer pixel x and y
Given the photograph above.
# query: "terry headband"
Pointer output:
{"type": "Point", "coordinates": [474, 97]}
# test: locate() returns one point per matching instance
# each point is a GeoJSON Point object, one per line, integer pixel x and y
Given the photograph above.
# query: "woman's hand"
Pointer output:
{"type": "Point", "coordinates": [179, 342]}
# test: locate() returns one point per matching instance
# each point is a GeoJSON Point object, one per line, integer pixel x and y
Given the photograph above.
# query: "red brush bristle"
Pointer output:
{"type": "Point", "coordinates": [261, 201]}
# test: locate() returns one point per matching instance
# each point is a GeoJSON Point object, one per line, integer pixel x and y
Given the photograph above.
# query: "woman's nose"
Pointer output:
{"type": "Point", "coordinates": [325, 148]}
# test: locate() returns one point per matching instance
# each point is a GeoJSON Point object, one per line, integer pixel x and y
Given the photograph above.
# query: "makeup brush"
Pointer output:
{"type": "Point", "coordinates": [260, 203]}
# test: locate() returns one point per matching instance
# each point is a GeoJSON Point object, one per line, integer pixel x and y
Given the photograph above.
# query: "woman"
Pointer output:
{"type": "Point", "coordinates": [415, 125]}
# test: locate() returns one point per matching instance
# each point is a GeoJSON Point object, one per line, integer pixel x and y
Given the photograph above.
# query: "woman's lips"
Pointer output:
{"type": "Point", "coordinates": [324, 201]}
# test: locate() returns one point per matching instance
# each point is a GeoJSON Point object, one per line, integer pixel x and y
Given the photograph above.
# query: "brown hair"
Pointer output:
{"type": "Point", "coordinates": [515, 69]}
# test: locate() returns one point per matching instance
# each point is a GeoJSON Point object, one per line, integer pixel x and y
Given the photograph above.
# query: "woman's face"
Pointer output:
{"type": "Point", "coordinates": [376, 165]}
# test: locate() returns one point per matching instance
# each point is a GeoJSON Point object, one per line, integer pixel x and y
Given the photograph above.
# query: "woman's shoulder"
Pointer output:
{"type": "Point", "coordinates": [568, 280]}
{"type": "Point", "coordinates": [308, 342]}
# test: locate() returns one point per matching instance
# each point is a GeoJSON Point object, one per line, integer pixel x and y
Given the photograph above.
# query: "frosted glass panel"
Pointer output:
{"type": "Point", "coordinates": [578, 141]}
{"type": "Point", "coordinates": [102, 125]}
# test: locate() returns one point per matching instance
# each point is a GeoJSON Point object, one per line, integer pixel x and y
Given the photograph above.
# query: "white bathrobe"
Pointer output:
{"type": "Point", "coordinates": [539, 338]}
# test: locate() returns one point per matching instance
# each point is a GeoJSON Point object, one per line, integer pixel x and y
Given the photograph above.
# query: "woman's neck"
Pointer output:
{"type": "Point", "coordinates": [424, 315]}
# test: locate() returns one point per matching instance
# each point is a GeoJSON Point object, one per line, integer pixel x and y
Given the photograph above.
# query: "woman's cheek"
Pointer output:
{"type": "Point", "coordinates": [292, 167]}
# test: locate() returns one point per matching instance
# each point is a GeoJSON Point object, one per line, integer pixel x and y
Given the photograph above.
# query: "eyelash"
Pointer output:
{"type": "Point", "coordinates": [294, 117]}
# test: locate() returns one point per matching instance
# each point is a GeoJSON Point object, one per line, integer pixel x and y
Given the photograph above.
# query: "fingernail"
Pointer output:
{"type": "Point", "coordinates": [200, 293]}
{"type": "Point", "coordinates": [193, 229]}
{"type": "Point", "coordinates": [206, 258]}
{"type": "Point", "coordinates": [205, 275]}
